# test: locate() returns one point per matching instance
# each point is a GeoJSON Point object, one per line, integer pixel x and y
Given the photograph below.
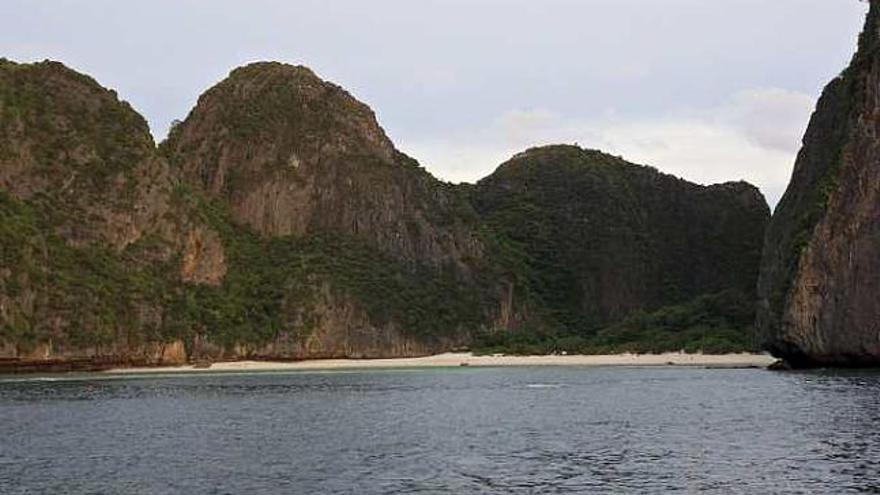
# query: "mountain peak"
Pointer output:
{"type": "Point", "coordinates": [287, 112]}
{"type": "Point", "coordinates": [269, 66]}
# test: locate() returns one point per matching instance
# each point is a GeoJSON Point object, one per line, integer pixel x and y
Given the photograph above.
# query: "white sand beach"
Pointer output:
{"type": "Point", "coordinates": [467, 359]}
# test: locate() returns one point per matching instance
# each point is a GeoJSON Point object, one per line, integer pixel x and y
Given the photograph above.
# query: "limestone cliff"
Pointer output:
{"type": "Point", "coordinates": [87, 218]}
{"type": "Point", "coordinates": [69, 143]}
{"type": "Point", "coordinates": [820, 275]}
{"type": "Point", "coordinates": [278, 221]}
{"type": "Point", "coordinates": [291, 154]}
{"type": "Point", "coordinates": [395, 255]}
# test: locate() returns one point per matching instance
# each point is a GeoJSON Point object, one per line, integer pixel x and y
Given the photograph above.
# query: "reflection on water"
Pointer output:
{"type": "Point", "coordinates": [513, 430]}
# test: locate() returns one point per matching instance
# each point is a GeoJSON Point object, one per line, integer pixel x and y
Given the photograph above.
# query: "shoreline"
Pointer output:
{"type": "Point", "coordinates": [450, 360]}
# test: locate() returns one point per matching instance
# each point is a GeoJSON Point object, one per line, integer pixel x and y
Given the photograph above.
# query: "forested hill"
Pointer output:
{"type": "Point", "coordinates": [602, 242]}
{"type": "Point", "coordinates": [278, 221]}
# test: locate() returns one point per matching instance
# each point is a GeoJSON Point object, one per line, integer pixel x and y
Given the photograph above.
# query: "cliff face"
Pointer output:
{"type": "Point", "coordinates": [820, 274]}
{"type": "Point", "coordinates": [291, 154]}
{"type": "Point", "coordinates": [601, 238]}
{"type": "Point", "coordinates": [87, 219]}
{"type": "Point", "coordinates": [287, 226]}
{"type": "Point", "coordinates": [385, 259]}
{"type": "Point", "coordinates": [70, 143]}
{"type": "Point", "coordinates": [279, 222]}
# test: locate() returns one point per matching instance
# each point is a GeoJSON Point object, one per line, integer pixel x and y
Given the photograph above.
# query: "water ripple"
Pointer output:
{"type": "Point", "coordinates": [504, 431]}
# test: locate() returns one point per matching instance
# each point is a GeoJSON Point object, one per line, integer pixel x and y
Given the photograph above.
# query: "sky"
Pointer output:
{"type": "Point", "coordinates": [710, 91]}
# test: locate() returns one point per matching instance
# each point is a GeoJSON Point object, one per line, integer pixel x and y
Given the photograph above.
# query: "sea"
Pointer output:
{"type": "Point", "coordinates": [528, 430]}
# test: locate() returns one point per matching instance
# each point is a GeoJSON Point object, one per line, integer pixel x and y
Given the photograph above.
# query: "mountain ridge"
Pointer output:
{"type": "Point", "coordinates": [278, 221]}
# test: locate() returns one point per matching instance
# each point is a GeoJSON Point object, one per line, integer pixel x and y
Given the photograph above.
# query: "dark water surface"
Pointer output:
{"type": "Point", "coordinates": [502, 430]}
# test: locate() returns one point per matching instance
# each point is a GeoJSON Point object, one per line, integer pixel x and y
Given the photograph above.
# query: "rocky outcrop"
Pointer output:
{"type": "Point", "coordinates": [820, 275]}
{"type": "Point", "coordinates": [89, 228]}
{"type": "Point", "coordinates": [204, 261]}
{"type": "Point", "coordinates": [331, 326]}
{"type": "Point", "coordinates": [291, 154]}
{"type": "Point", "coordinates": [292, 157]}
{"type": "Point", "coordinates": [68, 142]}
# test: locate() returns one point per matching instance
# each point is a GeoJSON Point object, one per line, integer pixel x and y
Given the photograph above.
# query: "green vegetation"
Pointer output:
{"type": "Point", "coordinates": [553, 216]}
{"type": "Point", "coordinates": [94, 291]}
{"type": "Point", "coordinates": [717, 323]}
{"type": "Point", "coordinates": [601, 255]}
{"type": "Point", "coordinates": [266, 274]}
{"type": "Point", "coordinates": [64, 110]}
{"type": "Point", "coordinates": [83, 296]}
{"type": "Point", "coordinates": [592, 239]}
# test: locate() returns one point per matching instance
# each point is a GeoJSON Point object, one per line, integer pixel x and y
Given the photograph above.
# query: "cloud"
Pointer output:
{"type": "Point", "coordinates": [522, 125]}
{"type": "Point", "coordinates": [754, 135]}
{"type": "Point", "coordinates": [772, 118]}
{"type": "Point", "coordinates": [626, 71]}
{"type": "Point", "coordinates": [703, 152]}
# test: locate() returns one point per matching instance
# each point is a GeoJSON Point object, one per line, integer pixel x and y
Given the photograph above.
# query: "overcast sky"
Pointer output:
{"type": "Point", "coordinates": [707, 90]}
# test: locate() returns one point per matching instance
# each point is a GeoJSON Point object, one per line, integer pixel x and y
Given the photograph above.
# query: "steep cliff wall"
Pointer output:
{"type": "Point", "coordinates": [297, 160]}
{"type": "Point", "coordinates": [346, 249]}
{"type": "Point", "coordinates": [91, 237]}
{"type": "Point", "coordinates": [291, 154]}
{"type": "Point", "coordinates": [820, 275]}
